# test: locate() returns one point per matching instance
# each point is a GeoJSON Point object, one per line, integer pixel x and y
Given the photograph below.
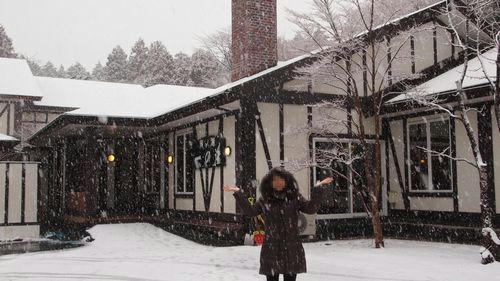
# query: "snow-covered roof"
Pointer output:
{"type": "Point", "coordinates": [95, 98]}
{"type": "Point", "coordinates": [92, 97]}
{"type": "Point", "coordinates": [16, 78]}
{"type": "Point", "coordinates": [4, 137]}
{"type": "Point", "coordinates": [479, 70]}
{"type": "Point", "coordinates": [173, 97]}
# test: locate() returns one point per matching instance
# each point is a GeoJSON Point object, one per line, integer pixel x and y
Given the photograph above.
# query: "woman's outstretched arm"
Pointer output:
{"type": "Point", "coordinates": [242, 201]}
{"type": "Point", "coordinates": [312, 206]}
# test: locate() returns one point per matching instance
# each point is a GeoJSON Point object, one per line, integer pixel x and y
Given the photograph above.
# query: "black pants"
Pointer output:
{"type": "Point", "coordinates": [286, 277]}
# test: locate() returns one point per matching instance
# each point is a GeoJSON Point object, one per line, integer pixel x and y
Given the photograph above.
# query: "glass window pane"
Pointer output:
{"type": "Point", "coordinates": [441, 165]}
{"type": "Point", "coordinates": [156, 162]}
{"type": "Point", "coordinates": [330, 160]}
{"type": "Point", "coordinates": [359, 175]}
{"type": "Point", "coordinates": [147, 167]}
{"type": "Point", "coordinates": [419, 169]}
{"type": "Point", "coordinates": [189, 163]}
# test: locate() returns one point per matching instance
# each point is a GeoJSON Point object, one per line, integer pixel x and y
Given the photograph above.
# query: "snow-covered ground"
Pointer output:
{"type": "Point", "coordinates": [143, 252]}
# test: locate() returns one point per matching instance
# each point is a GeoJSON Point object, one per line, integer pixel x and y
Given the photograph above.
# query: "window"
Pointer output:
{"type": "Point", "coordinates": [429, 149]}
{"type": "Point", "coordinates": [152, 166]}
{"type": "Point", "coordinates": [184, 160]}
{"type": "Point", "coordinates": [345, 194]}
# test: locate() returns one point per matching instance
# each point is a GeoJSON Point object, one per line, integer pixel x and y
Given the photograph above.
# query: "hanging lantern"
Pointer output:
{"type": "Point", "coordinates": [227, 150]}
{"type": "Point", "coordinates": [170, 159]}
{"type": "Point", "coordinates": [111, 158]}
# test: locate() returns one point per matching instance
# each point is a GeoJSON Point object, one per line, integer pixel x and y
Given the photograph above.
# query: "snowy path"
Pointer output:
{"type": "Point", "coordinates": [133, 252]}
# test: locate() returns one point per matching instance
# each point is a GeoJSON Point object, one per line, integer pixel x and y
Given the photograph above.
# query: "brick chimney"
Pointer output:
{"type": "Point", "coordinates": [254, 37]}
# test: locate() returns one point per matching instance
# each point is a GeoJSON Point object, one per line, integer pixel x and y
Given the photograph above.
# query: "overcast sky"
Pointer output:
{"type": "Point", "coordinates": [66, 31]}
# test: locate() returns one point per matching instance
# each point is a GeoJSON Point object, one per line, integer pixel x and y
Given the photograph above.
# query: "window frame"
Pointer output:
{"type": "Point", "coordinates": [152, 168]}
{"type": "Point", "coordinates": [427, 120]}
{"type": "Point", "coordinates": [351, 214]}
{"type": "Point", "coordinates": [185, 135]}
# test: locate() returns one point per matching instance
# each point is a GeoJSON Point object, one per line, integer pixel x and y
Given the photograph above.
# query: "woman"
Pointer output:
{"type": "Point", "coordinates": [280, 203]}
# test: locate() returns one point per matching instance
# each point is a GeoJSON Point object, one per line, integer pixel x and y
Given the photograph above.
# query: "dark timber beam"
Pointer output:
{"type": "Point", "coordinates": [484, 121]}
{"type": "Point", "coordinates": [245, 146]}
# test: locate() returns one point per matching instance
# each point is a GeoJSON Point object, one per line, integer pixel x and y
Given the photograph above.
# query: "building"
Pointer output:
{"type": "Point", "coordinates": [162, 154]}
{"type": "Point", "coordinates": [18, 176]}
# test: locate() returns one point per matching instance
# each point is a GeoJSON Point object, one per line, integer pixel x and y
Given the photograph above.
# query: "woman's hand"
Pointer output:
{"type": "Point", "coordinates": [327, 180]}
{"type": "Point", "coordinates": [230, 188]}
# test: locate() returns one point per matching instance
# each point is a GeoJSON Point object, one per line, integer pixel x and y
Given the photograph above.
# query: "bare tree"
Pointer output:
{"type": "Point", "coordinates": [359, 48]}
{"type": "Point", "coordinates": [219, 45]}
{"type": "Point", "coordinates": [472, 42]}
{"type": "Point", "coordinates": [485, 14]}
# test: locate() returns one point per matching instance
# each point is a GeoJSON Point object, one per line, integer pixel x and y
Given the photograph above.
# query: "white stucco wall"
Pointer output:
{"type": "Point", "coordinates": [270, 122]}
{"type": "Point", "coordinates": [467, 176]}
{"type": "Point", "coordinates": [424, 47]}
{"type": "Point", "coordinates": [330, 117]}
{"type": "Point", "coordinates": [379, 54]}
{"type": "Point", "coordinates": [31, 193]}
{"type": "Point", "coordinates": [2, 191]}
{"type": "Point", "coordinates": [19, 231]}
{"type": "Point", "coordinates": [230, 169]}
{"type": "Point", "coordinates": [431, 204]}
{"type": "Point", "coordinates": [201, 131]}
{"type": "Point", "coordinates": [401, 51]}
{"type": "Point", "coordinates": [215, 201]}
{"type": "Point", "coordinates": [296, 145]}
{"type": "Point", "coordinates": [7, 117]}
{"type": "Point", "coordinates": [443, 40]}
{"type": "Point", "coordinates": [397, 135]}
{"type": "Point", "coordinates": [296, 85]}
{"type": "Point", "coordinates": [15, 174]}
{"type": "Point", "coordinates": [184, 204]}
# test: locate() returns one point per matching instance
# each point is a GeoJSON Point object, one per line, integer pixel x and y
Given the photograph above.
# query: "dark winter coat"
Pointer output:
{"type": "Point", "coordinates": [282, 250]}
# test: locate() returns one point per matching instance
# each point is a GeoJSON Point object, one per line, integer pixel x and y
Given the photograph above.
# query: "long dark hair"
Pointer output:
{"type": "Point", "coordinates": [266, 184]}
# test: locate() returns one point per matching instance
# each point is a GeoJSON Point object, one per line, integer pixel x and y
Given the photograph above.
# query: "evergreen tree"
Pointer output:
{"type": "Point", "coordinates": [182, 69]}
{"type": "Point", "coordinates": [159, 65]}
{"type": "Point", "coordinates": [98, 72]}
{"type": "Point", "coordinates": [136, 62]}
{"type": "Point", "coordinates": [77, 71]}
{"type": "Point", "coordinates": [61, 72]}
{"type": "Point", "coordinates": [116, 66]}
{"type": "Point", "coordinates": [6, 48]}
{"type": "Point", "coordinates": [49, 70]}
{"type": "Point", "coordinates": [35, 67]}
{"type": "Point", "coordinates": [205, 70]}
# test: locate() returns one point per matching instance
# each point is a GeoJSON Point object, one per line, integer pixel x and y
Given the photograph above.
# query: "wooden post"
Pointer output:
{"type": "Point", "coordinates": [162, 163]}
{"type": "Point", "coordinates": [111, 177]}
{"type": "Point", "coordinates": [497, 83]}
{"type": "Point", "coordinates": [63, 177]}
